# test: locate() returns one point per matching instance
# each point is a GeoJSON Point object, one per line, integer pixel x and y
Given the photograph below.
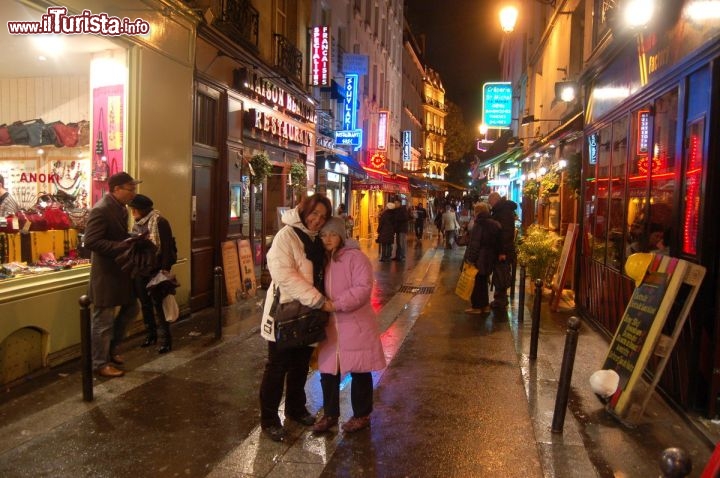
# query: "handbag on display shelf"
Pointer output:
{"type": "Point", "coordinates": [66, 134]}
{"type": "Point", "coordinates": [466, 281]}
{"type": "Point", "coordinates": [5, 138]}
{"type": "Point", "coordinates": [297, 325]}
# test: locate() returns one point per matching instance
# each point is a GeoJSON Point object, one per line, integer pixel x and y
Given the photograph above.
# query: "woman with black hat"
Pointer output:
{"type": "Point", "coordinates": [150, 223]}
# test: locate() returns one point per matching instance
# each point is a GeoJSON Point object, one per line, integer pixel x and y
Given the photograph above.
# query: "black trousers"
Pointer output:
{"type": "Point", "coordinates": [152, 309]}
{"type": "Point", "coordinates": [285, 369]}
{"type": "Point", "coordinates": [479, 297]}
{"type": "Point", "coordinates": [361, 394]}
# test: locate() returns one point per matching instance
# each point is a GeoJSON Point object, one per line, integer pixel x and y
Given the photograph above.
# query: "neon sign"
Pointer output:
{"type": "Point", "coordinates": [643, 132]}
{"type": "Point", "coordinates": [350, 104]}
{"type": "Point", "coordinates": [382, 130]}
{"type": "Point", "coordinates": [320, 59]}
{"type": "Point", "coordinates": [497, 104]}
{"type": "Point", "coordinates": [406, 145]}
{"type": "Point", "coordinates": [377, 160]}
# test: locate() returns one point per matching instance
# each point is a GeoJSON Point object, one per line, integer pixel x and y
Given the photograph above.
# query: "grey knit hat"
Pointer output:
{"type": "Point", "coordinates": [337, 225]}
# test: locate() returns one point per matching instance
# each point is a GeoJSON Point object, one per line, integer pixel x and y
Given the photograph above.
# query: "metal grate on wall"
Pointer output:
{"type": "Point", "coordinates": [412, 289]}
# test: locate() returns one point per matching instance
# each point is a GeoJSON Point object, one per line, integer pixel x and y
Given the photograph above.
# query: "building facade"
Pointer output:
{"type": "Point", "coordinates": [634, 167]}
{"type": "Point", "coordinates": [114, 91]}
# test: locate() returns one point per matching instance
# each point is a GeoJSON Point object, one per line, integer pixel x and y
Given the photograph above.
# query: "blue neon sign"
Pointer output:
{"type": "Point", "coordinates": [497, 104]}
{"type": "Point", "coordinates": [350, 106]}
{"type": "Point", "coordinates": [406, 145]}
{"type": "Point", "coordinates": [351, 137]}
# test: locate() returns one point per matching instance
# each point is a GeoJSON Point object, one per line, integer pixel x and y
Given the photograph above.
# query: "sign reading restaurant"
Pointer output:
{"type": "Point", "coordinates": [279, 127]}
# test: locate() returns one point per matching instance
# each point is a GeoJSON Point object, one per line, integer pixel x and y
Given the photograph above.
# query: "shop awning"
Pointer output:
{"type": "Point", "coordinates": [323, 155]}
{"type": "Point", "coordinates": [441, 185]}
{"type": "Point", "coordinates": [510, 155]}
{"type": "Point", "coordinates": [417, 183]}
{"type": "Point", "coordinates": [567, 131]}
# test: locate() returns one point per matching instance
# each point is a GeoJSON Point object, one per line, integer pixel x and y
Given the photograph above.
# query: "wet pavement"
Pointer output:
{"type": "Point", "coordinates": [459, 398]}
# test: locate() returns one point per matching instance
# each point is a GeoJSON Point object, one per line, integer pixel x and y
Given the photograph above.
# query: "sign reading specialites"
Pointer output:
{"type": "Point", "coordinates": [320, 60]}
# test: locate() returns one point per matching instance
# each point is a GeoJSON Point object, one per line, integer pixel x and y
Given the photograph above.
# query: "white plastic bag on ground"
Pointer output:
{"type": "Point", "coordinates": [604, 382]}
{"type": "Point", "coordinates": [170, 308]}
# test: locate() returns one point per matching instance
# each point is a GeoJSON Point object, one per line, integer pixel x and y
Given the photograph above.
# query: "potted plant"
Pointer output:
{"type": "Point", "coordinates": [531, 188]}
{"type": "Point", "coordinates": [550, 183]}
{"type": "Point", "coordinates": [261, 166]}
{"type": "Point", "coordinates": [537, 250]}
{"type": "Point", "coordinates": [572, 174]}
{"type": "Point", "coordinates": [298, 174]}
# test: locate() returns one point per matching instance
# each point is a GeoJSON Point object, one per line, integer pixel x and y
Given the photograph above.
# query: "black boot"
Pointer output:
{"type": "Point", "coordinates": [149, 340]}
{"type": "Point", "coordinates": [165, 348]}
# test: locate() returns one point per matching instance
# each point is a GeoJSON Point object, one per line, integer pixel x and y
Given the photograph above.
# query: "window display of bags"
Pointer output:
{"type": "Point", "coordinates": [466, 281]}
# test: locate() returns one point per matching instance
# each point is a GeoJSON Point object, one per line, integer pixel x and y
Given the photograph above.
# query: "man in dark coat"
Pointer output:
{"type": "Point", "coordinates": [420, 218]}
{"type": "Point", "coordinates": [503, 211]}
{"type": "Point", "coordinates": [401, 218]}
{"type": "Point", "coordinates": [105, 235]}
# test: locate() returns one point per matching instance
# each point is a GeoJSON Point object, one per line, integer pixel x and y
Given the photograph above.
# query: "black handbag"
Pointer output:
{"type": "Point", "coordinates": [502, 275]}
{"type": "Point", "coordinates": [297, 325]}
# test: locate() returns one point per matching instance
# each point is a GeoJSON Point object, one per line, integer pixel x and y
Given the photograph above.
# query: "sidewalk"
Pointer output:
{"type": "Point", "coordinates": [459, 398]}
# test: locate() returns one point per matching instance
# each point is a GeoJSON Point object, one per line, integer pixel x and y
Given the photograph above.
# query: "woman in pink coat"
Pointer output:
{"type": "Point", "coordinates": [353, 336]}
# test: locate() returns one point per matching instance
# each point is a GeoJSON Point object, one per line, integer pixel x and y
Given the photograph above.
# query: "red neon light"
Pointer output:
{"type": "Point", "coordinates": [643, 138]}
{"type": "Point", "coordinates": [692, 198]}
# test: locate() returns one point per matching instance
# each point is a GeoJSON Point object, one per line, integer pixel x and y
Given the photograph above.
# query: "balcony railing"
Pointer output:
{"type": "Point", "coordinates": [288, 59]}
{"type": "Point", "coordinates": [435, 103]}
{"type": "Point", "coordinates": [240, 22]}
{"type": "Point", "coordinates": [435, 129]}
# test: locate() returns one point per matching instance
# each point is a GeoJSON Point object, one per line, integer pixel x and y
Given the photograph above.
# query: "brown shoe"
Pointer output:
{"type": "Point", "coordinates": [110, 372]}
{"type": "Point", "coordinates": [356, 424]}
{"type": "Point", "coordinates": [324, 424]}
{"type": "Point", "coordinates": [117, 359]}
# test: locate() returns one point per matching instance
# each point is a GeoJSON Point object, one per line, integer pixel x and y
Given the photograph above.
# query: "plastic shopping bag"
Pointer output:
{"type": "Point", "coordinates": [466, 281]}
{"type": "Point", "coordinates": [170, 308]}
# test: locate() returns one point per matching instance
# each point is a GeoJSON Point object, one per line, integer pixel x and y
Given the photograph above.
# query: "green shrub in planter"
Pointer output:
{"type": "Point", "coordinates": [261, 167]}
{"type": "Point", "coordinates": [537, 250]}
{"type": "Point", "coordinates": [298, 174]}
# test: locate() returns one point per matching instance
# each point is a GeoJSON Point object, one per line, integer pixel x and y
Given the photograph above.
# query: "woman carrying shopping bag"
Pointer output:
{"type": "Point", "coordinates": [482, 252]}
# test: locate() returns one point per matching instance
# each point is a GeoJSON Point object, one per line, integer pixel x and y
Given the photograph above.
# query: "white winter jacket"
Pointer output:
{"type": "Point", "coordinates": [290, 270]}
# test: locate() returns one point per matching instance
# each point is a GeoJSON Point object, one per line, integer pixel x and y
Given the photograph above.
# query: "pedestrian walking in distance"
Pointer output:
{"type": "Point", "coordinates": [353, 334]}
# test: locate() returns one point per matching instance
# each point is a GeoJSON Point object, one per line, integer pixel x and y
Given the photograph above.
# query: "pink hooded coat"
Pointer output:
{"type": "Point", "coordinates": [353, 333]}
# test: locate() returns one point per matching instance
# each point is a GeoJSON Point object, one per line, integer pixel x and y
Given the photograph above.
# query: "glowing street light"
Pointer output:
{"type": "Point", "coordinates": [508, 18]}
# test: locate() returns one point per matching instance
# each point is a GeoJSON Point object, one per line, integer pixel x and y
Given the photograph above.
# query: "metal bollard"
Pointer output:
{"type": "Point", "coordinates": [535, 331]}
{"type": "Point", "coordinates": [561, 399]}
{"type": "Point", "coordinates": [521, 292]}
{"type": "Point", "coordinates": [86, 348]}
{"type": "Point", "coordinates": [675, 463]}
{"type": "Point", "coordinates": [218, 301]}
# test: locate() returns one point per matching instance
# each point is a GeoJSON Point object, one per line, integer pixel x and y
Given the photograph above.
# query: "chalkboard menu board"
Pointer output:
{"type": "Point", "coordinates": [634, 327]}
{"type": "Point", "coordinates": [646, 328]}
{"type": "Point", "coordinates": [231, 270]}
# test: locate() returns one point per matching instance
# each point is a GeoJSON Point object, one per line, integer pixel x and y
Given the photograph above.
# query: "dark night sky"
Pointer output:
{"type": "Point", "coordinates": [462, 39]}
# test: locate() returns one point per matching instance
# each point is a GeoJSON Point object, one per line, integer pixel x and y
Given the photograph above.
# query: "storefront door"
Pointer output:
{"type": "Point", "coordinates": [203, 233]}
